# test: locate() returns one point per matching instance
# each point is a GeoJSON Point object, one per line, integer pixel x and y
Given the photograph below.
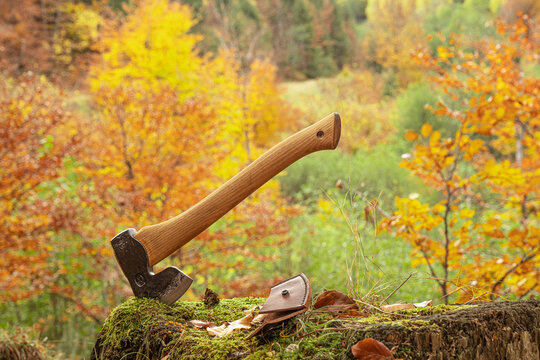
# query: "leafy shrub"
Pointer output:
{"type": "Point", "coordinates": [371, 173]}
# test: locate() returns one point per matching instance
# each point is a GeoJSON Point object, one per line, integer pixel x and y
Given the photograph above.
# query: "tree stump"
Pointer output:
{"type": "Point", "coordinates": [488, 331]}
{"type": "Point", "coordinates": [147, 329]}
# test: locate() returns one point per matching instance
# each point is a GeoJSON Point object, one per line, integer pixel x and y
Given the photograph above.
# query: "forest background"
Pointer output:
{"type": "Point", "coordinates": [117, 114]}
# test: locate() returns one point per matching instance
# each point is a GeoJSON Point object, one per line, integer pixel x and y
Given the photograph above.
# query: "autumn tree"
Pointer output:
{"type": "Point", "coordinates": [50, 259]}
{"type": "Point", "coordinates": [48, 37]}
{"type": "Point", "coordinates": [394, 34]}
{"type": "Point", "coordinates": [174, 125]}
{"type": "Point", "coordinates": [37, 138]}
{"type": "Point", "coordinates": [23, 43]}
{"type": "Point", "coordinates": [482, 238]}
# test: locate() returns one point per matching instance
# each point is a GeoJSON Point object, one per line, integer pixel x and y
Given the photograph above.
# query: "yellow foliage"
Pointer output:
{"type": "Point", "coordinates": [426, 130]}
{"type": "Point", "coordinates": [411, 135]}
{"type": "Point", "coordinates": [174, 125]}
{"type": "Point", "coordinates": [152, 45]}
{"type": "Point", "coordinates": [466, 213]}
{"type": "Point", "coordinates": [78, 34]}
{"type": "Point", "coordinates": [495, 151]}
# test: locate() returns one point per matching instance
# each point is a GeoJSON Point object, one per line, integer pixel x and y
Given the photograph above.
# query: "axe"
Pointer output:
{"type": "Point", "coordinates": [138, 251]}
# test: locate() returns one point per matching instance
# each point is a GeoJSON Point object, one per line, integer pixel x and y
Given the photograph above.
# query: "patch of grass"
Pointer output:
{"type": "Point", "coordinates": [345, 254]}
{"type": "Point", "coordinates": [22, 344]}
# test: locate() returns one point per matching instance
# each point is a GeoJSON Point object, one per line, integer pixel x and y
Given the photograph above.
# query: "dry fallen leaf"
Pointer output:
{"type": "Point", "coordinates": [424, 304]}
{"type": "Point", "coordinates": [398, 307]}
{"type": "Point", "coordinates": [371, 349]}
{"type": "Point", "coordinates": [337, 302]}
{"type": "Point", "coordinates": [227, 328]}
{"type": "Point", "coordinates": [200, 324]}
{"type": "Point", "coordinates": [258, 319]}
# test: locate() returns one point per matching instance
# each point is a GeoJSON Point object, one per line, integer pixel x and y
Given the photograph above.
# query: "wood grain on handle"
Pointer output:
{"type": "Point", "coordinates": [162, 239]}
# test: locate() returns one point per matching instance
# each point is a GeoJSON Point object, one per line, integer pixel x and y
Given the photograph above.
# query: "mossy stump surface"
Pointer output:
{"type": "Point", "coordinates": [147, 329]}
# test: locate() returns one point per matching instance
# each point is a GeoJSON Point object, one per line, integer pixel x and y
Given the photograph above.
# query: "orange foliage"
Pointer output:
{"type": "Point", "coordinates": [172, 127]}
{"type": "Point", "coordinates": [34, 208]}
{"type": "Point", "coordinates": [47, 37]}
{"type": "Point", "coordinates": [150, 154]}
{"type": "Point", "coordinates": [23, 39]}
{"type": "Point", "coordinates": [494, 155]}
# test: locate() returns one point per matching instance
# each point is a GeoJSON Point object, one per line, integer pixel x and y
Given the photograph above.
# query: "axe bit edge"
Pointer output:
{"type": "Point", "coordinates": [166, 286]}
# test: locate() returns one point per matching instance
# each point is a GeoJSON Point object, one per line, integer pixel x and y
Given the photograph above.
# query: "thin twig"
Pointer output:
{"type": "Point", "coordinates": [431, 269]}
{"type": "Point", "coordinates": [396, 289]}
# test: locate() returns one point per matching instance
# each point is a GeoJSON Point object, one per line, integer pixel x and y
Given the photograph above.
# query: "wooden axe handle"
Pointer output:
{"type": "Point", "coordinates": [163, 239]}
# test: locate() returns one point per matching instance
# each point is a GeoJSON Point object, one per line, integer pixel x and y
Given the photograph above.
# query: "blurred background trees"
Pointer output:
{"type": "Point", "coordinates": [119, 114]}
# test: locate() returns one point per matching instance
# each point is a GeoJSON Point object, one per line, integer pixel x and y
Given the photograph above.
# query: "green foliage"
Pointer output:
{"type": "Point", "coordinates": [308, 38]}
{"type": "Point", "coordinates": [412, 111]}
{"type": "Point", "coordinates": [372, 173]}
{"type": "Point", "coordinates": [469, 19]}
{"type": "Point", "coordinates": [353, 9]}
{"type": "Point", "coordinates": [334, 240]}
{"type": "Point", "coordinates": [71, 333]}
{"type": "Point", "coordinates": [315, 47]}
{"type": "Point", "coordinates": [337, 249]}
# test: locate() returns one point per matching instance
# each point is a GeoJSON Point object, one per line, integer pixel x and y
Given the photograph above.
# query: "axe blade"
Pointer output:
{"type": "Point", "coordinates": [166, 286]}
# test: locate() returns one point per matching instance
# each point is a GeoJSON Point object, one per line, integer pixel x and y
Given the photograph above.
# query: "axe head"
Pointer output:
{"type": "Point", "coordinates": [166, 286]}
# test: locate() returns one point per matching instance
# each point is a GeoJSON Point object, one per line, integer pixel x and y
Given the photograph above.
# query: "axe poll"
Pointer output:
{"type": "Point", "coordinates": [137, 251]}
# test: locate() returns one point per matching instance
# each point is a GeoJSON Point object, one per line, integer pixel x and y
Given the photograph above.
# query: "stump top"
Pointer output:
{"type": "Point", "coordinates": [144, 328]}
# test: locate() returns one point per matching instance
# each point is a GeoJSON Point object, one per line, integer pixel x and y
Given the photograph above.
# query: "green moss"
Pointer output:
{"type": "Point", "coordinates": [197, 344]}
{"type": "Point", "coordinates": [226, 310]}
{"type": "Point", "coordinates": [146, 326]}
{"type": "Point", "coordinates": [432, 310]}
{"type": "Point", "coordinates": [326, 345]}
{"type": "Point", "coordinates": [147, 329]}
{"type": "Point", "coordinates": [402, 316]}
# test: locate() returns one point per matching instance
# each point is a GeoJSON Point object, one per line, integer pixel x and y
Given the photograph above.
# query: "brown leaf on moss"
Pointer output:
{"type": "Point", "coordinates": [371, 349]}
{"type": "Point", "coordinates": [337, 302]}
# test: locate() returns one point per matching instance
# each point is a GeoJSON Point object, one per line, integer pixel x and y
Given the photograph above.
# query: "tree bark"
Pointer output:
{"type": "Point", "coordinates": [488, 331]}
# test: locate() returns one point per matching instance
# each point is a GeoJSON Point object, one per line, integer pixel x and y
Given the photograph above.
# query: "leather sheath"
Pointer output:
{"type": "Point", "coordinates": [287, 299]}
